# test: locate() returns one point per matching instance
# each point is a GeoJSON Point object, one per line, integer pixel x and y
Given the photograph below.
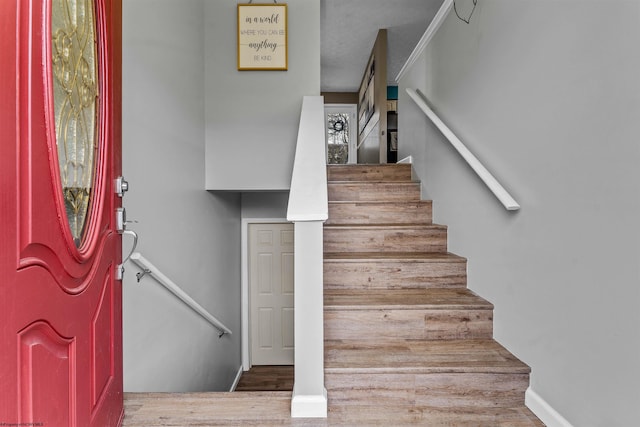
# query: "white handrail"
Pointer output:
{"type": "Point", "coordinates": [148, 268]}
{"type": "Point", "coordinates": [497, 189]}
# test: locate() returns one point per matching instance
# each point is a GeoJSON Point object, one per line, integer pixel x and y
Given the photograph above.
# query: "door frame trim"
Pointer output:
{"type": "Point", "coordinates": [245, 325]}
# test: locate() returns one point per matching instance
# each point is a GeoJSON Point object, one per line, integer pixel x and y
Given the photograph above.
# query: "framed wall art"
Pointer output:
{"type": "Point", "coordinates": [262, 36]}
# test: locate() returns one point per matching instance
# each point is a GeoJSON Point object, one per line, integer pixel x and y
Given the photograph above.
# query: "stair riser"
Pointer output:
{"type": "Point", "coordinates": [416, 324]}
{"type": "Point", "coordinates": [369, 173]}
{"type": "Point", "coordinates": [394, 275]}
{"type": "Point", "coordinates": [372, 239]}
{"type": "Point", "coordinates": [408, 415]}
{"type": "Point", "coordinates": [380, 213]}
{"type": "Point", "coordinates": [404, 192]}
{"type": "Point", "coordinates": [434, 390]}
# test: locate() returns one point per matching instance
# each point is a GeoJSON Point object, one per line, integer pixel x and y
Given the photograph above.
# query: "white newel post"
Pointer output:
{"type": "Point", "coordinates": [309, 395]}
{"type": "Point", "coordinates": [308, 210]}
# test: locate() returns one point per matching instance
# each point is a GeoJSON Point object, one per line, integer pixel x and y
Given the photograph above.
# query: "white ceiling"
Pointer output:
{"type": "Point", "coordinates": [348, 31]}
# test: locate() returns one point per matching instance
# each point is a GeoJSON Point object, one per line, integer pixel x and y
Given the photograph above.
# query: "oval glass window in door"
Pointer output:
{"type": "Point", "coordinates": [75, 98]}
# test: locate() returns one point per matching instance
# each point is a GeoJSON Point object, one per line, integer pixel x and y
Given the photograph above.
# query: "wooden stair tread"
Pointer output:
{"type": "Point", "coordinates": [391, 226]}
{"type": "Point", "coordinates": [407, 299]}
{"type": "Point", "coordinates": [374, 257]}
{"type": "Point", "coordinates": [437, 356]}
{"type": "Point", "coordinates": [374, 184]}
{"type": "Point", "coordinates": [379, 202]}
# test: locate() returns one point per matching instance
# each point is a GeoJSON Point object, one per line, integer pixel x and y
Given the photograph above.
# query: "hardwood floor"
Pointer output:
{"type": "Point", "coordinates": [266, 378]}
{"type": "Point", "coordinates": [273, 409]}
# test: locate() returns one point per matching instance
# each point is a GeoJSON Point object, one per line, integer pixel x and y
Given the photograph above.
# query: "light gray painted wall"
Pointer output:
{"type": "Point", "coordinates": [252, 116]}
{"type": "Point", "coordinates": [546, 93]}
{"type": "Point", "coordinates": [265, 204]}
{"type": "Point", "coordinates": [191, 235]}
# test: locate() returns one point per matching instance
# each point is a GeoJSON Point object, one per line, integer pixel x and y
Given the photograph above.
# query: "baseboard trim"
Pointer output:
{"type": "Point", "coordinates": [549, 416]}
{"type": "Point", "coordinates": [237, 379]}
{"type": "Point", "coordinates": [408, 159]}
{"type": "Point", "coordinates": [309, 406]}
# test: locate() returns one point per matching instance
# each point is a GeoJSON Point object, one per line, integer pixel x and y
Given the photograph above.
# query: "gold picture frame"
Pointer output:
{"type": "Point", "coordinates": [262, 36]}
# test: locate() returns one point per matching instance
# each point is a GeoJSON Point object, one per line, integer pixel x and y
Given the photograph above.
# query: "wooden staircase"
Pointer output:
{"type": "Point", "coordinates": [406, 343]}
{"type": "Point", "coordinates": [402, 331]}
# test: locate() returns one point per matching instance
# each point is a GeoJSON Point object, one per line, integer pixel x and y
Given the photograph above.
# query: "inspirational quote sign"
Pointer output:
{"type": "Point", "coordinates": [262, 37]}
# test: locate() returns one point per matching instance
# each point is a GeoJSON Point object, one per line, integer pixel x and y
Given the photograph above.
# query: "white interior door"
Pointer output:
{"type": "Point", "coordinates": [341, 135]}
{"type": "Point", "coordinates": [271, 293]}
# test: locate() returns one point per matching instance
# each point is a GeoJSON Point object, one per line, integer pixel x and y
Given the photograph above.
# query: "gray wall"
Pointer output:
{"type": "Point", "coordinates": [265, 204]}
{"type": "Point", "coordinates": [252, 116]}
{"type": "Point", "coordinates": [191, 235]}
{"type": "Point", "coordinates": [546, 93]}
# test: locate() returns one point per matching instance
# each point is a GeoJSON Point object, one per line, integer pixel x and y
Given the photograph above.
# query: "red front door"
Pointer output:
{"type": "Point", "coordinates": [60, 152]}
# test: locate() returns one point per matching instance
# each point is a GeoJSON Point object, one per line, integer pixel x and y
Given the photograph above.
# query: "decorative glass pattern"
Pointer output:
{"type": "Point", "coordinates": [338, 138]}
{"type": "Point", "coordinates": [75, 95]}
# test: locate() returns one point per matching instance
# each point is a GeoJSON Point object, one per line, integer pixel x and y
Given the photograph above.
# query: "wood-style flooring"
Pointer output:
{"type": "Point", "coordinates": [266, 378]}
{"type": "Point", "coordinates": [406, 343]}
{"type": "Point", "coordinates": [273, 409]}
